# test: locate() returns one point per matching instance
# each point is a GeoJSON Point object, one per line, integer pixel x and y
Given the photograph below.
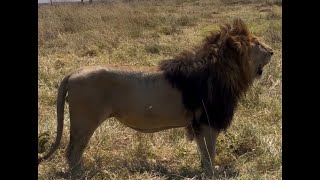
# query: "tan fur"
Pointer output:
{"type": "Point", "coordinates": [139, 97]}
{"type": "Point", "coordinates": [150, 102]}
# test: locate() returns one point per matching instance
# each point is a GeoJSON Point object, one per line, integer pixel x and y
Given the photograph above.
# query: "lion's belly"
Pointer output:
{"type": "Point", "coordinates": [150, 120]}
{"type": "Point", "coordinates": [149, 115]}
{"type": "Point", "coordinates": [155, 108]}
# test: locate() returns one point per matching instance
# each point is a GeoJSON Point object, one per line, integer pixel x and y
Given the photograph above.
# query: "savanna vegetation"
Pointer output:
{"type": "Point", "coordinates": [143, 33]}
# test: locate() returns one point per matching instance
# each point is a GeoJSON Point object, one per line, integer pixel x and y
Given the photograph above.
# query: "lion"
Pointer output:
{"type": "Point", "coordinates": [199, 89]}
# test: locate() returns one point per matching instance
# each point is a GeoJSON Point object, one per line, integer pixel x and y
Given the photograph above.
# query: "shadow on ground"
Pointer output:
{"type": "Point", "coordinates": [140, 165]}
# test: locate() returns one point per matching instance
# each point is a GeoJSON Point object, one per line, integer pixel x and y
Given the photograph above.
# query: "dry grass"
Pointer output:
{"type": "Point", "coordinates": [143, 33]}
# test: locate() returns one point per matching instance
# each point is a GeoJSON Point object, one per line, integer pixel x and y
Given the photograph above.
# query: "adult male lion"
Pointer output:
{"type": "Point", "coordinates": [198, 90]}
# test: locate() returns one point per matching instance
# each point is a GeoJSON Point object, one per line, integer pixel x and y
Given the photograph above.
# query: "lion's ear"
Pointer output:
{"type": "Point", "coordinates": [234, 43]}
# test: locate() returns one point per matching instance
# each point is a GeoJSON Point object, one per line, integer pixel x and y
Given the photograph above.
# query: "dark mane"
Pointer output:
{"type": "Point", "coordinates": [215, 74]}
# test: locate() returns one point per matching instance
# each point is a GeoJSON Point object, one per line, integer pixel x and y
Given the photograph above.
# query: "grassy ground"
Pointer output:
{"type": "Point", "coordinates": [143, 33]}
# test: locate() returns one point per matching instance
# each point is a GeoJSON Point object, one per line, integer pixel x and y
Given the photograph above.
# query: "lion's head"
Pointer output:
{"type": "Point", "coordinates": [216, 73]}
{"type": "Point", "coordinates": [237, 43]}
{"type": "Point", "coordinates": [260, 55]}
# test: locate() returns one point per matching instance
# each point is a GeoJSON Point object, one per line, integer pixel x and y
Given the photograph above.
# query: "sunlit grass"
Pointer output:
{"type": "Point", "coordinates": [144, 33]}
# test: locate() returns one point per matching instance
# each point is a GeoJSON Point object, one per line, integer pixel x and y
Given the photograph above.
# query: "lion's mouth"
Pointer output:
{"type": "Point", "coordinates": [260, 71]}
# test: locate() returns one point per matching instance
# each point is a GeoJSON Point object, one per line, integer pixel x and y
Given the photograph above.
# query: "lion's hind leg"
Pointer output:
{"type": "Point", "coordinates": [79, 138]}
{"type": "Point", "coordinates": [83, 123]}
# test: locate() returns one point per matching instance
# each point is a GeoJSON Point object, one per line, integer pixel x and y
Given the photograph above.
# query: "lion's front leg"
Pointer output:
{"type": "Point", "coordinates": [206, 142]}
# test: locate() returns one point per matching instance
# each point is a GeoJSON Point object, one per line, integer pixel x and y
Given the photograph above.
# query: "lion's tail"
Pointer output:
{"type": "Point", "coordinates": [62, 92]}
